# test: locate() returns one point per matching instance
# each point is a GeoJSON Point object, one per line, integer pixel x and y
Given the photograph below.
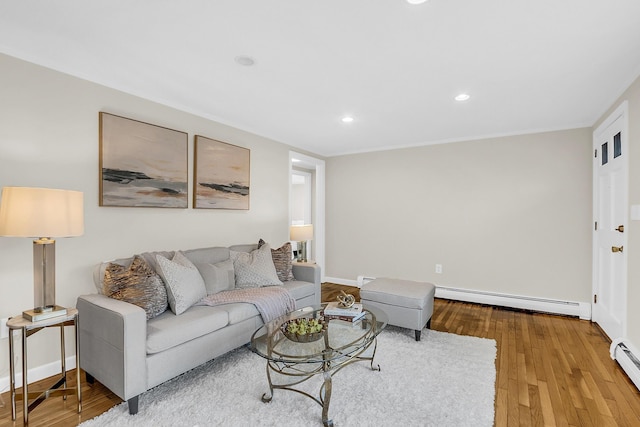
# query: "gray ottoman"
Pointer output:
{"type": "Point", "coordinates": [408, 304]}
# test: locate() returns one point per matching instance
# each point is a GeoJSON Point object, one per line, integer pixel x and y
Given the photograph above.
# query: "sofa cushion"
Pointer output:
{"type": "Point", "coordinates": [282, 258]}
{"type": "Point", "coordinates": [247, 247]}
{"type": "Point", "coordinates": [299, 289]}
{"type": "Point", "coordinates": [169, 330]}
{"type": "Point", "coordinates": [255, 269]}
{"type": "Point", "coordinates": [137, 284]}
{"type": "Point", "coordinates": [217, 277]}
{"type": "Point", "coordinates": [210, 255]}
{"type": "Point", "coordinates": [185, 285]}
{"type": "Point", "coordinates": [239, 312]}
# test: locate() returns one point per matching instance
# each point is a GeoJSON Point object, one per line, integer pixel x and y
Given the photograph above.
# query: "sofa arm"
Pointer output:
{"type": "Point", "coordinates": [306, 272]}
{"type": "Point", "coordinates": [113, 337]}
{"type": "Point", "coordinates": [309, 273]}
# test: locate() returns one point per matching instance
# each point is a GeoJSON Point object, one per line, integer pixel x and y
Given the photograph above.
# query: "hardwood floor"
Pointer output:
{"type": "Point", "coordinates": [551, 371]}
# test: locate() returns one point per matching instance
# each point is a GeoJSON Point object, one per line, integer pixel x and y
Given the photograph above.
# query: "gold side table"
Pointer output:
{"type": "Point", "coordinates": [60, 388]}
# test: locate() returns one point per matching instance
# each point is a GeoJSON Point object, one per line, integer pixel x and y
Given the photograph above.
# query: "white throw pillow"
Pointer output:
{"type": "Point", "coordinates": [185, 285]}
{"type": "Point", "coordinates": [255, 269]}
{"type": "Point", "coordinates": [217, 277]}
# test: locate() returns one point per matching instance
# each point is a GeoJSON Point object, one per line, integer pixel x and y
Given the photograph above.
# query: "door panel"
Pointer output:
{"type": "Point", "coordinates": [610, 213]}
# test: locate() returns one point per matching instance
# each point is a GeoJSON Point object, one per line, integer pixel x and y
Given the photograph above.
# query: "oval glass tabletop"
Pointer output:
{"type": "Point", "coordinates": [340, 338]}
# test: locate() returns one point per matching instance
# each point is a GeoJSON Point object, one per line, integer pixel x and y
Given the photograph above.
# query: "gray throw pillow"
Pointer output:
{"type": "Point", "coordinates": [255, 269]}
{"type": "Point", "coordinates": [217, 277]}
{"type": "Point", "coordinates": [137, 284]}
{"type": "Point", "coordinates": [282, 259]}
{"type": "Point", "coordinates": [185, 285]}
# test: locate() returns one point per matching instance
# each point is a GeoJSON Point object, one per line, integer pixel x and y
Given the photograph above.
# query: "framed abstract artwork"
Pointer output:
{"type": "Point", "coordinates": [142, 165]}
{"type": "Point", "coordinates": [221, 175]}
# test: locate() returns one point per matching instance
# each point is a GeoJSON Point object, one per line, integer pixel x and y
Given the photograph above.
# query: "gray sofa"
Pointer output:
{"type": "Point", "coordinates": [129, 354]}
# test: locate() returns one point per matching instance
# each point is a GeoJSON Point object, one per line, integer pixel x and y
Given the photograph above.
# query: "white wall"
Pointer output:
{"type": "Point", "coordinates": [49, 138]}
{"type": "Point", "coordinates": [509, 215]}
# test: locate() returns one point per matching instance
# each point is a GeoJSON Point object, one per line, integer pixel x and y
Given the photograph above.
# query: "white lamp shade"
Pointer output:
{"type": "Point", "coordinates": [301, 233]}
{"type": "Point", "coordinates": [41, 212]}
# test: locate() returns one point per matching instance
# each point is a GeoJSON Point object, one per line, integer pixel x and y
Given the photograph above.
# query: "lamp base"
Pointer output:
{"type": "Point", "coordinates": [302, 251]}
{"type": "Point", "coordinates": [43, 313]}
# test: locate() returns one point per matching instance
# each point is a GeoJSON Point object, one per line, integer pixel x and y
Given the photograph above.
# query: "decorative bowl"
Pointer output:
{"type": "Point", "coordinates": [292, 329]}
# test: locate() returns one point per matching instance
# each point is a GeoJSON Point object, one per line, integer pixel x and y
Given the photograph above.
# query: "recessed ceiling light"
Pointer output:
{"type": "Point", "coordinates": [416, 1]}
{"type": "Point", "coordinates": [347, 119]}
{"type": "Point", "coordinates": [244, 60]}
{"type": "Point", "coordinates": [462, 97]}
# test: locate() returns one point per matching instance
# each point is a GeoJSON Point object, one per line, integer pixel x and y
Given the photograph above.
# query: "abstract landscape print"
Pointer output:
{"type": "Point", "coordinates": [221, 175]}
{"type": "Point", "coordinates": [142, 165]}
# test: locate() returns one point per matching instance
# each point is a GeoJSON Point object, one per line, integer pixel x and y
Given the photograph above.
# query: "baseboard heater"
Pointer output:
{"type": "Point", "coordinates": [627, 357]}
{"type": "Point", "coordinates": [545, 305]}
{"type": "Point", "coordinates": [567, 308]}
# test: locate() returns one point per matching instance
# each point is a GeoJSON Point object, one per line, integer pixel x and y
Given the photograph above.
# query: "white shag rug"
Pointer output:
{"type": "Point", "coordinates": [443, 380]}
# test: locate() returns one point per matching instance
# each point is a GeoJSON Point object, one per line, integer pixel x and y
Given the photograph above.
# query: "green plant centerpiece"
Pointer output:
{"type": "Point", "coordinates": [304, 329]}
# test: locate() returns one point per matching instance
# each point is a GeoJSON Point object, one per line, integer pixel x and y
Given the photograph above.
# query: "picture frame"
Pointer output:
{"type": "Point", "coordinates": [222, 174]}
{"type": "Point", "coordinates": [142, 165]}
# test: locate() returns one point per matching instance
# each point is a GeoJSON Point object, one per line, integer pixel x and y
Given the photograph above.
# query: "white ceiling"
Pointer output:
{"type": "Point", "coordinates": [528, 65]}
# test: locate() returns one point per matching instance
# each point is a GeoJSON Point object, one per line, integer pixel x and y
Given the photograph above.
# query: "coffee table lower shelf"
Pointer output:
{"type": "Point", "coordinates": [300, 372]}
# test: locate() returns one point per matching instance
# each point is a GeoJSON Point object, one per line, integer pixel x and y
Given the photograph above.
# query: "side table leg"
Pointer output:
{"type": "Point", "coordinates": [63, 361]}
{"type": "Point", "coordinates": [12, 376]}
{"type": "Point", "coordinates": [25, 382]}
{"type": "Point", "coordinates": [78, 388]}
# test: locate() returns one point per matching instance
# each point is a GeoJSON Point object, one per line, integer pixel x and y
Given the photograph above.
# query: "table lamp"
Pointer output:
{"type": "Point", "coordinates": [42, 213]}
{"type": "Point", "coordinates": [300, 234]}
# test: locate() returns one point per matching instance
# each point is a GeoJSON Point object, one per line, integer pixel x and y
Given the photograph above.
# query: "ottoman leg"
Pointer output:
{"type": "Point", "coordinates": [418, 335]}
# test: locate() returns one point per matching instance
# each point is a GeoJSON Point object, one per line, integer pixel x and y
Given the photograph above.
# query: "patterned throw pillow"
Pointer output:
{"type": "Point", "coordinates": [138, 284]}
{"type": "Point", "coordinates": [185, 285]}
{"type": "Point", "coordinates": [282, 259]}
{"type": "Point", "coordinates": [254, 269]}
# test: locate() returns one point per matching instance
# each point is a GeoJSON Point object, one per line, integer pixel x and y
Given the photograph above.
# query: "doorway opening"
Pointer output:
{"type": "Point", "coordinates": [307, 201]}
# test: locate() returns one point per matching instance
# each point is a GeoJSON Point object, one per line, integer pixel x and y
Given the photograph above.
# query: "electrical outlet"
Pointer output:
{"type": "Point", "coordinates": [4, 331]}
{"type": "Point", "coordinates": [439, 268]}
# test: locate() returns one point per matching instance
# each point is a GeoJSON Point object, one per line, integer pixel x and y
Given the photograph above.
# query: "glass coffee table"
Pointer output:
{"type": "Point", "coordinates": [290, 363]}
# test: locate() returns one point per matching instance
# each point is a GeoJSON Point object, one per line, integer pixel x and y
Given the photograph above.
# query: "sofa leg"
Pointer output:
{"type": "Point", "coordinates": [429, 324]}
{"type": "Point", "coordinates": [418, 335]}
{"type": "Point", "coordinates": [133, 405]}
{"type": "Point", "coordinates": [90, 379]}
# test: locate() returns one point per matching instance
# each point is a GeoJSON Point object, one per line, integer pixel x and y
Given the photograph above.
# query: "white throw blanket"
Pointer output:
{"type": "Point", "coordinates": [271, 301]}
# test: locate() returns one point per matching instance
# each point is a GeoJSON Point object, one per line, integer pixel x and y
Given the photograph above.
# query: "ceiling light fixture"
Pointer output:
{"type": "Point", "coordinates": [347, 119]}
{"type": "Point", "coordinates": [416, 1]}
{"type": "Point", "coordinates": [245, 61]}
{"type": "Point", "coordinates": [462, 97]}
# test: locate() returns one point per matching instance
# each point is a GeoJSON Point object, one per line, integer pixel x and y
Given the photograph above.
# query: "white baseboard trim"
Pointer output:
{"type": "Point", "coordinates": [545, 305]}
{"type": "Point", "coordinates": [567, 308]}
{"type": "Point", "coordinates": [38, 373]}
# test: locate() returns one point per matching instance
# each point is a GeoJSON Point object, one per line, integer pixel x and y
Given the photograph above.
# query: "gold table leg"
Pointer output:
{"type": "Point", "coordinates": [25, 393]}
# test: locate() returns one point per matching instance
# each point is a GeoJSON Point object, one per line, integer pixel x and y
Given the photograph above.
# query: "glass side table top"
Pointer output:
{"type": "Point", "coordinates": [341, 338]}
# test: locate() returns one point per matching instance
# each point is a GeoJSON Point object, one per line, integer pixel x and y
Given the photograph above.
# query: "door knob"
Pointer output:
{"type": "Point", "coordinates": [620, 228]}
{"type": "Point", "coordinates": [617, 248]}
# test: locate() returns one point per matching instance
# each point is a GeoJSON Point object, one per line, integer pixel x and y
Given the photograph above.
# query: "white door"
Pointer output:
{"type": "Point", "coordinates": [301, 205]}
{"type": "Point", "coordinates": [610, 221]}
{"type": "Point", "coordinates": [301, 197]}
